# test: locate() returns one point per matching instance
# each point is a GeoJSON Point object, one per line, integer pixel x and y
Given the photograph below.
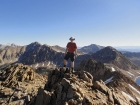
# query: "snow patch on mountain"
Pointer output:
{"type": "Point", "coordinates": [48, 63]}
{"type": "Point", "coordinates": [36, 65]}
{"type": "Point", "coordinates": [130, 73]}
{"type": "Point", "coordinates": [108, 80]}
{"type": "Point", "coordinates": [113, 69]}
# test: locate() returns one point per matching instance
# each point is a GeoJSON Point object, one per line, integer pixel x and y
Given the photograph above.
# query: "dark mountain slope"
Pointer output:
{"type": "Point", "coordinates": [135, 57]}
{"type": "Point", "coordinates": [36, 53]}
{"type": "Point", "coordinates": [112, 56]}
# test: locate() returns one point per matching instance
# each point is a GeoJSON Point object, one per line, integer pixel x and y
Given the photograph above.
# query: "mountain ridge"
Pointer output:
{"type": "Point", "coordinates": [111, 55]}
{"type": "Point", "coordinates": [36, 55]}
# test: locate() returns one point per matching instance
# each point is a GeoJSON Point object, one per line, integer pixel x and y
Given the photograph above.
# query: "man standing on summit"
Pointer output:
{"type": "Point", "coordinates": [71, 52]}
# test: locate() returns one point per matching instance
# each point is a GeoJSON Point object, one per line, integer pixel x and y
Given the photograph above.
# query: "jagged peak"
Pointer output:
{"type": "Point", "coordinates": [111, 48]}
{"type": "Point", "coordinates": [93, 45]}
{"type": "Point", "coordinates": [36, 43]}
{"type": "Point", "coordinates": [46, 45]}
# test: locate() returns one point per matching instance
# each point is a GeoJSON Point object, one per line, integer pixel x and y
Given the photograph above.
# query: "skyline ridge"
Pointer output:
{"type": "Point", "coordinates": [64, 46]}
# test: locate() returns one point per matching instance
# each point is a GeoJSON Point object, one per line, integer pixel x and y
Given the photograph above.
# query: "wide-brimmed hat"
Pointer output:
{"type": "Point", "coordinates": [72, 38]}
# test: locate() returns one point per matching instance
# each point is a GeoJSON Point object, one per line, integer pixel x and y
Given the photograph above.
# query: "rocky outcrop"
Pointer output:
{"type": "Point", "coordinates": [97, 69]}
{"type": "Point", "coordinates": [19, 84]}
{"type": "Point", "coordinates": [17, 72]}
{"type": "Point", "coordinates": [112, 77]}
{"type": "Point", "coordinates": [67, 87]}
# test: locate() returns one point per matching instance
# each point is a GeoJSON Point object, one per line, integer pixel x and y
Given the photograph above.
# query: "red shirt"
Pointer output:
{"type": "Point", "coordinates": [71, 47]}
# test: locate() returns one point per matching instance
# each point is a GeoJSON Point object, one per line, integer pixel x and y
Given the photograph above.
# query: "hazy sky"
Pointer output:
{"type": "Point", "coordinates": [52, 22]}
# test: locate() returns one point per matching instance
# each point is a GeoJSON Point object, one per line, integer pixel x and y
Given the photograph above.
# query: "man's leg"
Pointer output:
{"type": "Point", "coordinates": [65, 59]}
{"type": "Point", "coordinates": [65, 62]}
{"type": "Point", "coordinates": [72, 61]}
{"type": "Point", "coordinates": [72, 64]}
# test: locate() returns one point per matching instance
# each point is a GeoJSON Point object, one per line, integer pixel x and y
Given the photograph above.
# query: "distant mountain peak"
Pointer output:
{"type": "Point", "coordinates": [110, 48]}
{"type": "Point", "coordinates": [91, 48]}
{"type": "Point", "coordinates": [36, 43]}
{"type": "Point", "coordinates": [111, 55]}
{"type": "Point", "coordinates": [8, 45]}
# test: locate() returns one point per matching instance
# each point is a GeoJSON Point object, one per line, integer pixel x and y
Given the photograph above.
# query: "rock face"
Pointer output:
{"type": "Point", "coordinates": [112, 56]}
{"type": "Point", "coordinates": [97, 69]}
{"type": "Point", "coordinates": [19, 84]}
{"type": "Point", "coordinates": [67, 87]}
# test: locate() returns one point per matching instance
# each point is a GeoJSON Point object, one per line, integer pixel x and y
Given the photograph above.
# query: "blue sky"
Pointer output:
{"type": "Point", "coordinates": [52, 22]}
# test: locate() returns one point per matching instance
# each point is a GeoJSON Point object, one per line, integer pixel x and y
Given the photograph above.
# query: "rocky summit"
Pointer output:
{"type": "Point", "coordinates": [19, 84]}
{"type": "Point", "coordinates": [68, 87]}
